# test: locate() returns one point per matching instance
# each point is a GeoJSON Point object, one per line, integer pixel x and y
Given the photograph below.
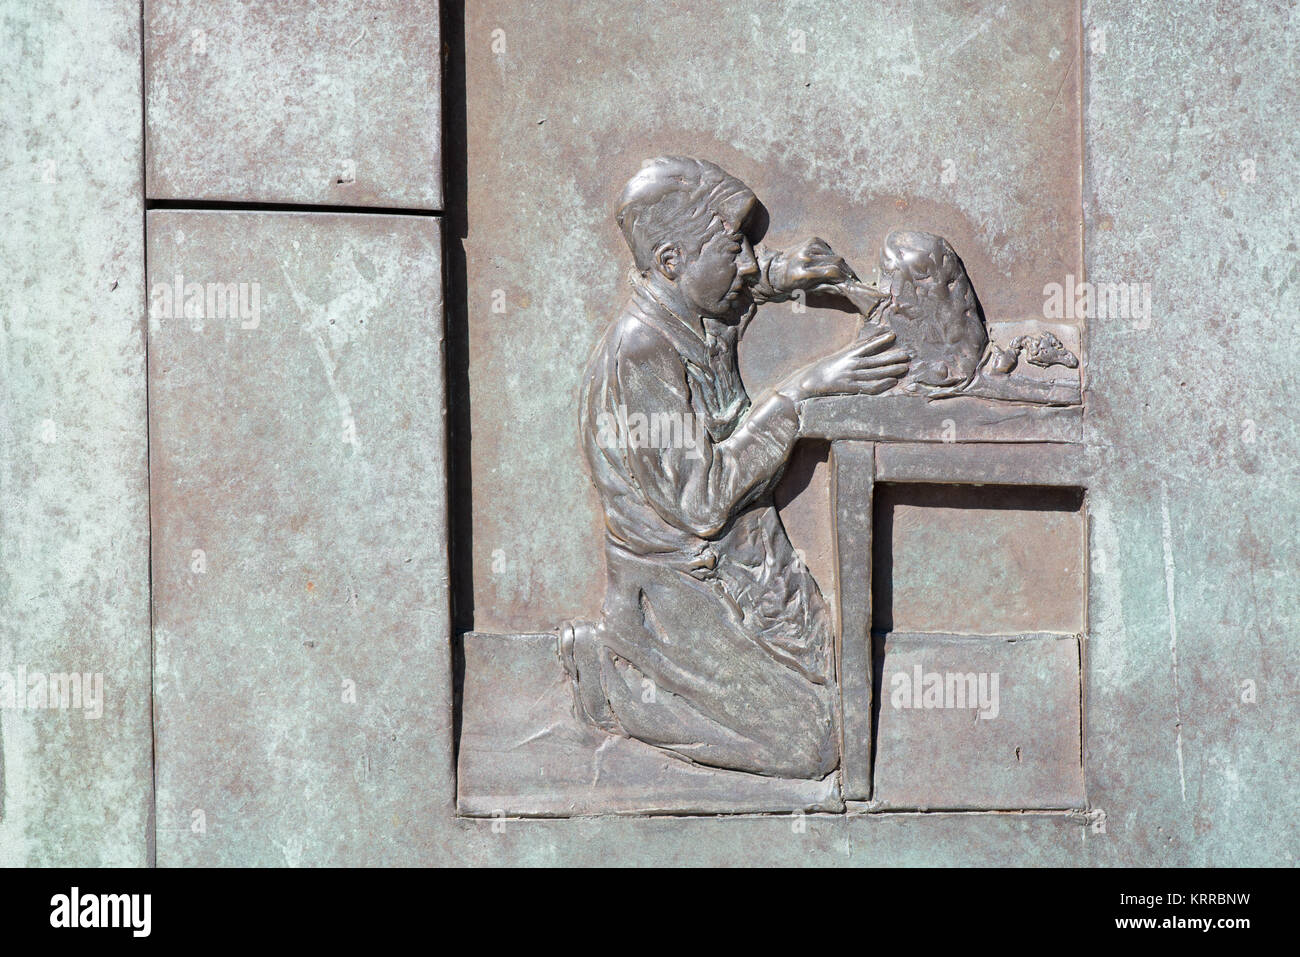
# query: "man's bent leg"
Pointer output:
{"type": "Point", "coordinates": [673, 666]}
{"type": "Point", "coordinates": [667, 721]}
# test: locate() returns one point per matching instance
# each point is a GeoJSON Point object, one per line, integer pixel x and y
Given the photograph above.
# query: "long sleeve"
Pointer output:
{"type": "Point", "coordinates": [692, 482]}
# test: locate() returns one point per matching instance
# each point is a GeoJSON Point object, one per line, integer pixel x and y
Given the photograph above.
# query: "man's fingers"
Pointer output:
{"type": "Point", "coordinates": [875, 344]}
{"type": "Point", "coordinates": [882, 372]}
{"type": "Point", "coordinates": [829, 272]}
{"type": "Point", "coordinates": [875, 388]}
{"type": "Point", "coordinates": [875, 359]}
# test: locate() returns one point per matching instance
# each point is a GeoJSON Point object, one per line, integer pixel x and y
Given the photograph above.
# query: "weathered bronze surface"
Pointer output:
{"type": "Point", "coordinates": [1119, 144]}
{"type": "Point", "coordinates": [716, 644]}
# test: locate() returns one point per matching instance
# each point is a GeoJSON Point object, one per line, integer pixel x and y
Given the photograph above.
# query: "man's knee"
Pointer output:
{"type": "Point", "coordinates": [799, 739]}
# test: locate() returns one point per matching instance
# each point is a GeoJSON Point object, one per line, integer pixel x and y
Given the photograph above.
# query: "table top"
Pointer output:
{"type": "Point", "coordinates": [960, 419]}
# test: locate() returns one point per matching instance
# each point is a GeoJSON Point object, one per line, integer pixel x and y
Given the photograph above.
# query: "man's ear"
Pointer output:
{"type": "Point", "coordinates": [668, 260]}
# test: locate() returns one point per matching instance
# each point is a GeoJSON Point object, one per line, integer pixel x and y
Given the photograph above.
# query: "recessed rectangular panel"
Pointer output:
{"type": "Point", "coordinates": [294, 102]}
{"type": "Point", "coordinates": [977, 723]}
{"type": "Point", "coordinates": [978, 559]}
{"type": "Point", "coordinates": [303, 668]}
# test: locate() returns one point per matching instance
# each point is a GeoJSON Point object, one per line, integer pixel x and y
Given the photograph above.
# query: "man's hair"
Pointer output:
{"type": "Point", "coordinates": [676, 199]}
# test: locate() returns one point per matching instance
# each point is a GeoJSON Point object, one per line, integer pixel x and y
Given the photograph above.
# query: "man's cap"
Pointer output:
{"type": "Point", "coordinates": [694, 185]}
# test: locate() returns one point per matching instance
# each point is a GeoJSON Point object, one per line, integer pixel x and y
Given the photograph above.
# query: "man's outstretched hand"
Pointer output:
{"type": "Point", "coordinates": [810, 264]}
{"type": "Point", "coordinates": [868, 367]}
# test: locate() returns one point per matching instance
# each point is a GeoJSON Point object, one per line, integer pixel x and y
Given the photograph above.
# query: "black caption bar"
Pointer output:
{"type": "Point", "coordinates": [335, 906]}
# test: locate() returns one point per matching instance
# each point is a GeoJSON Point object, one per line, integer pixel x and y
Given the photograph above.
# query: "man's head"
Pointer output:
{"type": "Point", "coordinates": [684, 220]}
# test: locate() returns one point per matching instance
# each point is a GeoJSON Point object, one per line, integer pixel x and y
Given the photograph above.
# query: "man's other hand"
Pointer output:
{"type": "Point", "coordinates": [869, 367]}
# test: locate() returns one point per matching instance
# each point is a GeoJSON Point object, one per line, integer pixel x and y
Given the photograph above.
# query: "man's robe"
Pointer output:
{"type": "Point", "coordinates": [716, 643]}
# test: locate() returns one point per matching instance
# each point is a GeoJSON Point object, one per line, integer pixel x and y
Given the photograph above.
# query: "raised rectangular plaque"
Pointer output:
{"type": "Point", "coordinates": [720, 675]}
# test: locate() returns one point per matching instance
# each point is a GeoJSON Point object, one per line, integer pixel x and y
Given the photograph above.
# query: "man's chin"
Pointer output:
{"type": "Point", "coordinates": [735, 305]}
{"type": "Point", "coordinates": [731, 308]}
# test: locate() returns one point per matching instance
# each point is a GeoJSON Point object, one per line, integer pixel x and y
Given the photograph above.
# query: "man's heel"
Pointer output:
{"type": "Point", "coordinates": [579, 648]}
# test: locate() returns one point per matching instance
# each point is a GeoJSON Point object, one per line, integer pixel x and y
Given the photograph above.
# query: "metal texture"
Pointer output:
{"type": "Point", "coordinates": [848, 120]}
{"type": "Point", "coordinates": [288, 102]}
{"type": "Point", "coordinates": [970, 724]}
{"type": "Point", "coordinates": [302, 640]}
{"type": "Point", "coordinates": [716, 645]}
{"type": "Point", "coordinates": [75, 780]}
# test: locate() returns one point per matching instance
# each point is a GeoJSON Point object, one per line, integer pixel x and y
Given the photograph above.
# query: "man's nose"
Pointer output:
{"type": "Point", "coordinates": [746, 261]}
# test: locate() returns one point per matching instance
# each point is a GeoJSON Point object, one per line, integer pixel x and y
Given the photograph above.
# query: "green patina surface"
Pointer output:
{"type": "Point", "coordinates": [74, 561]}
{"type": "Point", "coordinates": [1189, 138]}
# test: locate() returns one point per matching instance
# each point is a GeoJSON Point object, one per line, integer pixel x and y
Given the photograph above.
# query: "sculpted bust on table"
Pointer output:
{"type": "Point", "coordinates": [715, 643]}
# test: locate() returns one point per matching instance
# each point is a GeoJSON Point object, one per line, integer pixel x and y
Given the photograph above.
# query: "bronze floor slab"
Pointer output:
{"type": "Point", "coordinates": [523, 753]}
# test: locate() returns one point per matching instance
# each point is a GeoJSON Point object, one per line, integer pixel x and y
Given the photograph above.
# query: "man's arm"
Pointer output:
{"type": "Point", "coordinates": [691, 481]}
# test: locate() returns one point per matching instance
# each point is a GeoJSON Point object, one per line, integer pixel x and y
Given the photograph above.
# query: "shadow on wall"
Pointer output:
{"type": "Point", "coordinates": [460, 487]}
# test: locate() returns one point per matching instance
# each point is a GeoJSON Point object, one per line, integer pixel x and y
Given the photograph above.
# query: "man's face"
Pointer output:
{"type": "Point", "coordinates": [715, 282]}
